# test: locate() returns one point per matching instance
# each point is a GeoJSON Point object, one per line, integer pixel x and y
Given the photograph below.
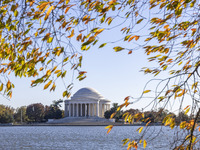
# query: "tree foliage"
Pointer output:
{"type": "Point", "coordinates": [6, 114]}
{"type": "Point", "coordinates": [37, 37]}
{"type": "Point", "coordinates": [20, 115]}
{"type": "Point", "coordinates": [35, 112]}
{"type": "Point", "coordinates": [112, 111]}
{"type": "Point", "coordinates": [53, 111]}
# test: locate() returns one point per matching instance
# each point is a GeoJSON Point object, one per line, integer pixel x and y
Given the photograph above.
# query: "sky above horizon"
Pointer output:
{"type": "Point", "coordinates": [115, 75]}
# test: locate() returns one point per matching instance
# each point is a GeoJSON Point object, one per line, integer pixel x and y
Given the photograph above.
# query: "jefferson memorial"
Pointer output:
{"type": "Point", "coordinates": [86, 102]}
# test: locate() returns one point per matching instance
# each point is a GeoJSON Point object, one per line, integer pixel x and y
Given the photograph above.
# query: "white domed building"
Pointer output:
{"type": "Point", "coordinates": [86, 102]}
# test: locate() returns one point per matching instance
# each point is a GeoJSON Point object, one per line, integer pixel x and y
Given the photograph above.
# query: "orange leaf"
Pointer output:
{"type": "Point", "coordinates": [66, 10]}
{"type": "Point", "coordinates": [130, 38]}
{"type": "Point", "coordinates": [137, 37]}
{"type": "Point", "coordinates": [48, 12]}
{"type": "Point", "coordinates": [109, 128]}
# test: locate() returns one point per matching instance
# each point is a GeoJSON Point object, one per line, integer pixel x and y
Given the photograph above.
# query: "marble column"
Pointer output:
{"type": "Point", "coordinates": [85, 109]}
{"type": "Point", "coordinates": [89, 110]}
{"type": "Point", "coordinates": [73, 110]}
{"type": "Point", "coordinates": [81, 110]}
{"type": "Point", "coordinates": [77, 110]}
{"type": "Point", "coordinates": [97, 114]}
{"type": "Point", "coordinates": [93, 109]}
{"type": "Point", "coordinates": [66, 109]}
{"type": "Point", "coordinates": [69, 110]}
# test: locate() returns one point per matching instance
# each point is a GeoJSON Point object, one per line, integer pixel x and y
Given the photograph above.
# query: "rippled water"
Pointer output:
{"type": "Point", "coordinates": [77, 137]}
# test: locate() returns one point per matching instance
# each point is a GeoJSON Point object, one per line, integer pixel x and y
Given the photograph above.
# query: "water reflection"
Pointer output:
{"type": "Point", "coordinates": [79, 137]}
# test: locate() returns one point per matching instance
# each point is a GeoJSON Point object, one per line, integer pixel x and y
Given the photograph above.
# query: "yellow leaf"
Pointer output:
{"type": "Point", "coordinates": [8, 84]}
{"type": "Point", "coordinates": [43, 5]}
{"type": "Point", "coordinates": [57, 71]}
{"type": "Point", "coordinates": [109, 128]}
{"type": "Point", "coordinates": [144, 143]}
{"type": "Point", "coordinates": [140, 130]}
{"type": "Point", "coordinates": [118, 109]}
{"type": "Point", "coordinates": [1, 87]}
{"type": "Point", "coordinates": [140, 141]}
{"type": "Point", "coordinates": [125, 141]}
{"type": "Point", "coordinates": [147, 91]}
{"type": "Point", "coordinates": [47, 85]}
{"type": "Point", "coordinates": [187, 110]}
{"type": "Point", "coordinates": [182, 125]}
{"type": "Point", "coordinates": [72, 34]}
{"type": "Point", "coordinates": [45, 8]}
{"type": "Point", "coordinates": [142, 115]}
{"type": "Point", "coordinates": [48, 12]}
{"type": "Point", "coordinates": [67, 1]}
{"type": "Point", "coordinates": [113, 114]}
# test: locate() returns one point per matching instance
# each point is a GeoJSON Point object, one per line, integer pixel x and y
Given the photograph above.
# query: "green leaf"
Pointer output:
{"type": "Point", "coordinates": [139, 21]}
{"type": "Point", "coordinates": [118, 48]}
{"type": "Point", "coordinates": [102, 45]}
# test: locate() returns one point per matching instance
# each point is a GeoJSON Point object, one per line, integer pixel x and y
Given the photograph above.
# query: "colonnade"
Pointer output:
{"type": "Point", "coordinates": [85, 109]}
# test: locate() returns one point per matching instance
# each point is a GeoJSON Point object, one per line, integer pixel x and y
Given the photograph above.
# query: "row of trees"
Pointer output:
{"type": "Point", "coordinates": [32, 113]}
{"type": "Point", "coordinates": [152, 116]}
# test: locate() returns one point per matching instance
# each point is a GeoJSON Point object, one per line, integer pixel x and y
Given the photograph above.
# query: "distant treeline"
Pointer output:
{"type": "Point", "coordinates": [32, 113]}
{"type": "Point", "coordinates": [152, 116]}
{"type": "Point", "coordinates": [39, 113]}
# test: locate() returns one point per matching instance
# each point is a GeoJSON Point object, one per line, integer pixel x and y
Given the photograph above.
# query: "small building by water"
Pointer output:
{"type": "Point", "coordinates": [85, 107]}
{"type": "Point", "coordinates": [86, 102]}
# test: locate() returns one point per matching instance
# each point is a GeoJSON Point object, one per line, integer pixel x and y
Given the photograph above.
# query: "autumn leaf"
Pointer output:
{"type": "Point", "coordinates": [139, 21]}
{"type": "Point", "coordinates": [109, 128]}
{"type": "Point", "coordinates": [102, 45]}
{"type": "Point", "coordinates": [140, 129]}
{"type": "Point", "coordinates": [1, 87]}
{"type": "Point", "coordinates": [144, 144]}
{"type": "Point", "coordinates": [48, 12]}
{"type": "Point", "coordinates": [147, 91]}
{"type": "Point", "coordinates": [118, 48]}
{"type": "Point", "coordinates": [112, 115]}
{"type": "Point", "coordinates": [47, 85]}
{"type": "Point", "coordinates": [67, 9]}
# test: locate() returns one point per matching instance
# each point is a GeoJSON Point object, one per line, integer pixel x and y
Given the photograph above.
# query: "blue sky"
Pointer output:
{"type": "Point", "coordinates": [114, 74]}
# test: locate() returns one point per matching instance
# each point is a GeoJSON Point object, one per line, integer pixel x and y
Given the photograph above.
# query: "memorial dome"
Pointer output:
{"type": "Point", "coordinates": [87, 93]}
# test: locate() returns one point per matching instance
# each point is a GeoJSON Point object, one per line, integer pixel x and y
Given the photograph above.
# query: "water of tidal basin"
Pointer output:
{"type": "Point", "coordinates": [76, 137]}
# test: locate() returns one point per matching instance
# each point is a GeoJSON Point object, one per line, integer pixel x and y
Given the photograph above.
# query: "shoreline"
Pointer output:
{"type": "Point", "coordinates": [79, 124]}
